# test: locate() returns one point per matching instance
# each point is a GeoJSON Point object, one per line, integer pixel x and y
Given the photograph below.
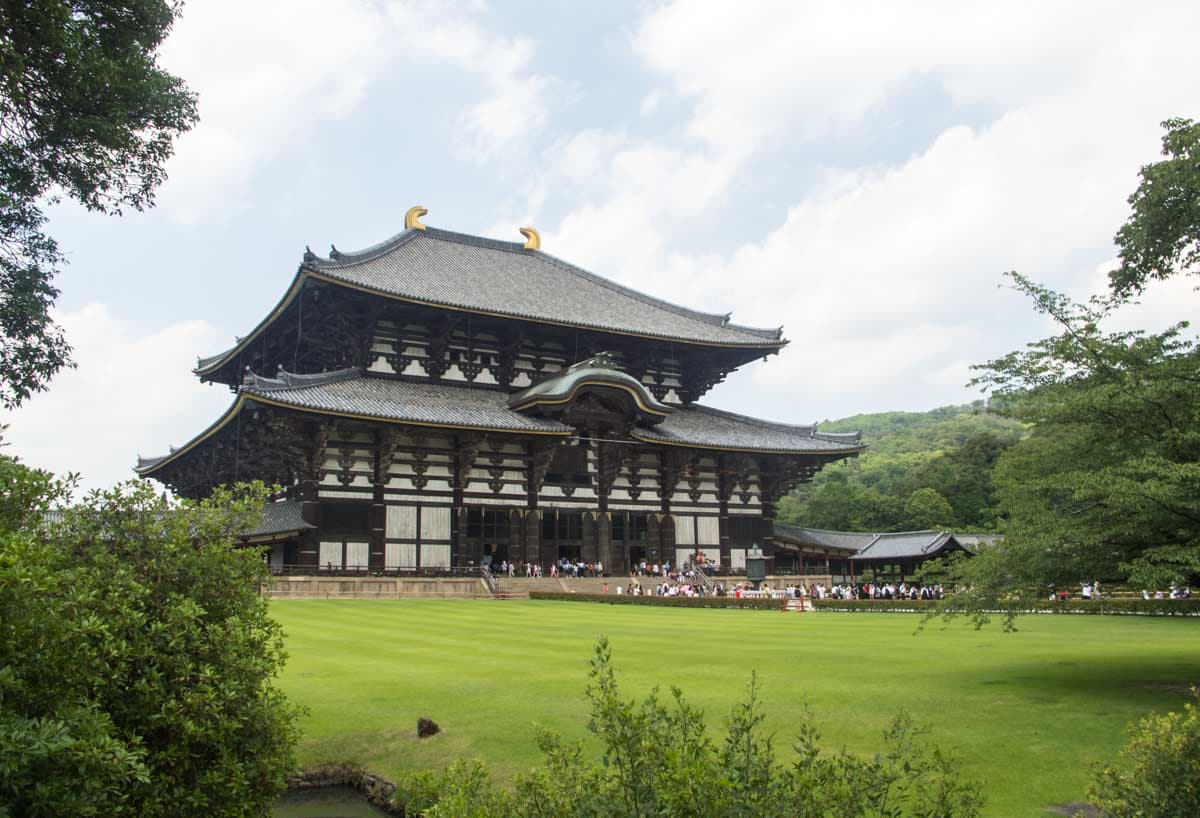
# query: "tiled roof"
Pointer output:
{"type": "Point", "coordinates": [459, 271]}
{"type": "Point", "coordinates": [280, 518]}
{"type": "Point", "coordinates": [349, 393]}
{"type": "Point", "coordinates": [974, 542]}
{"type": "Point", "coordinates": [907, 544]}
{"type": "Point", "coordinates": [706, 427]}
{"type": "Point", "coordinates": [900, 545]}
{"type": "Point", "coordinates": [840, 540]}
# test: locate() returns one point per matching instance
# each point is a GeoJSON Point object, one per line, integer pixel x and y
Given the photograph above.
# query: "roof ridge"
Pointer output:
{"type": "Point", "coordinates": [338, 258]}
{"type": "Point", "coordinates": [296, 380]}
{"type": "Point", "coordinates": [910, 533]}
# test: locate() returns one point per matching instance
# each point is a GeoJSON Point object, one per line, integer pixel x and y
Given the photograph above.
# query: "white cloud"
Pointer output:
{"type": "Point", "coordinates": [264, 71]}
{"type": "Point", "coordinates": [129, 394]}
{"type": "Point", "coordinates": [268, 72]}
{"type": "Point", "coordinates": [885, 275]}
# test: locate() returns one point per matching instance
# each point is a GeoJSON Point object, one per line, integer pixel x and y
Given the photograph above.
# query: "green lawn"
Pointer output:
{"type": "Point", "coordinates": [1027, 711]}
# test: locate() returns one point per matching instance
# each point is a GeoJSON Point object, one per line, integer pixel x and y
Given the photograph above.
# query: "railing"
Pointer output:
{"type": "Point", "coordinates": [485, 574]}
{"type": "Point", "coordinates": [705, 580]}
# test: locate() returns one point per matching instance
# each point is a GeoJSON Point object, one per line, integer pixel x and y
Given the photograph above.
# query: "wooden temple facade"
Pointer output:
{"type": "Point", "coordinates": [443, 400]}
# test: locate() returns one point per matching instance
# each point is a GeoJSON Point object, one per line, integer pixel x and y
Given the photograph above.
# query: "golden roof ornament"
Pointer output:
{"type": "Point", "coordinates": [533, 239]}
{"type": "Point", "coordinates": [412, 216]}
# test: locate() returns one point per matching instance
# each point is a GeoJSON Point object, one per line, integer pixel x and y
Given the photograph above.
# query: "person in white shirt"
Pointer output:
{"type": "Point", "coordinates": [1086, 591]}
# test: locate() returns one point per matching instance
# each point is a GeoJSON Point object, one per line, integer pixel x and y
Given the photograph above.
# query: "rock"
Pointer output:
{"type": "Point", "coordinates": [427, 727]}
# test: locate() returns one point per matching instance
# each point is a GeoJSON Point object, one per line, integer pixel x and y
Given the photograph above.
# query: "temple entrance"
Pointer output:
{"type": "Point", "coordinates": [562, 534]}
{"type": "Point", "coordinates": [488, 535]}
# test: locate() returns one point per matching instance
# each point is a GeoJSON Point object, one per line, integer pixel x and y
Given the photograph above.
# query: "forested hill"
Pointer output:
{"type": "Point", "coordinates": [921, 470]}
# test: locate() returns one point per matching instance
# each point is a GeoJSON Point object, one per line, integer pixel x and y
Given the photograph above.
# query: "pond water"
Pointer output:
{"type": "Point", "coordinates": [328, 802]}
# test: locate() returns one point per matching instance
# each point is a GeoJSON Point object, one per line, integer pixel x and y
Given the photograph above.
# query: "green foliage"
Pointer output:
{"type": "Point", "coordinates": [665, 601]}
{"type": "Point", "coordinates": [951, 451]}
{"type": "Point", "coordinates": [657, 759]}
{"type": "Point", "coordinates": [1162, 236]}
{"type": "Point", "coordinates": [926, 509]}
{"type": "Point", "coordinates": [1097, 607]}
{"type": "Point", "coordinates": [138, 660]}
{"type": "Point", "coordinates": [1160, 773]}
{"type": "Point", "coordinates": [85, 111]}
{"type": "Point", "coordinates": [1107, 485]}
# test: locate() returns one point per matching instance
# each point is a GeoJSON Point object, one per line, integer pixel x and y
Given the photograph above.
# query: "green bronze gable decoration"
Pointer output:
{"type": "Point", "coordinates": [599, 372]}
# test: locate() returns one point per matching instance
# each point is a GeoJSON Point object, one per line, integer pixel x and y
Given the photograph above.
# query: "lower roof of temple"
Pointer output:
{"type": "Point", "coordinates": [351, 394]}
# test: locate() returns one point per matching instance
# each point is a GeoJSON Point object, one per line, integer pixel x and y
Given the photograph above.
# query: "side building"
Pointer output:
{"type": "Point", "coordinates": [443, 400]}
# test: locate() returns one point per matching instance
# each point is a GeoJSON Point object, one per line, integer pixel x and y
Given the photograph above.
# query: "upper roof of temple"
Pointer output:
{"type": "Point", "coordinates": [479, 275]}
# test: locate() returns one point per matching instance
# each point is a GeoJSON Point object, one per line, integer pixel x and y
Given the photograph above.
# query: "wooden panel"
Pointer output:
{"type": "Point", "coordinates": [685, 529]}
{"type": "Point", "coordinates": [435, 556]}
{"type": "Point", "coordinates": [356, 555]}
{"type": "Point", "coordinates": [708, 530]}
{"type": "Point", "coordinates": [401, 555]}
{"type": "Point", "coordinates": [737, 559]}
{"type": "Point", "coordinates": [435, 525]}
{"type": "Point", "coordinates": [402, 523]}
{"type": "Point", "coordinates": [331, 554]}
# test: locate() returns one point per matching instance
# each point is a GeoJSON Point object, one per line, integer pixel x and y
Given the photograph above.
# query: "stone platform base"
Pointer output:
{"type": "Point", "coordinates": [375, 588]}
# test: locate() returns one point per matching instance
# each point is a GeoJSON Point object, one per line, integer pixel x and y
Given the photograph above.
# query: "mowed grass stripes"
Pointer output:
{"type": "Point", "coordinates": [1029, 712]}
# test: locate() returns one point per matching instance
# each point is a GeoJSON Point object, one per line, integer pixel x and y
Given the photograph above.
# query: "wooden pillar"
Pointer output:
{"type": "Point", "coordinates": [588, 551]}
{"type": "Point", "coordinates": [667, 533]}
{"type": "Point", "coordinates": [378, 523]}
{"type": "Point", "coordinates": [533, 537]}
{"type": "Point", "coordinates": [308, 550]}
{"type": "Point", "coordinates": [549, 551]}
{"type": "Point", "coordinates": [516, 533]}
{"type": "Point", "coordinates": [654, 538]}
{"type": "Point", "coordinates": [604, 543]}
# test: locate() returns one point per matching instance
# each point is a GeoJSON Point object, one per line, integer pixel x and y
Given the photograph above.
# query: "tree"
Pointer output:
{"type": "Point", "coordinates": [926, 509]}
{"type": "Point", "coordinates": [85, 112]}
{"type": "Point", "coordinates": [1107, 485]}
{"type": "Point", "coordinates": [137, 659]}
{"type": "Point", "coordinates": [1161, 239]}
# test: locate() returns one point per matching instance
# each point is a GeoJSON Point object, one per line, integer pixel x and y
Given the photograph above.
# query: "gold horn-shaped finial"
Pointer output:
{"type": "Point", "coordinates": [533, 239]}
{"type": "Point", "coordinates": [412, 216]}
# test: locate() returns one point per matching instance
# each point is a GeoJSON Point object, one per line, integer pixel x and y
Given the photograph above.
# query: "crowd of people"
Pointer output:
{"type": "Point", "coordinates": [867, 590]}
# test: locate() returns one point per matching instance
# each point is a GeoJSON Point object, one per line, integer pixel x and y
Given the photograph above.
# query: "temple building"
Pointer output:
{"type": "Point", "coordinates": [443, 400]}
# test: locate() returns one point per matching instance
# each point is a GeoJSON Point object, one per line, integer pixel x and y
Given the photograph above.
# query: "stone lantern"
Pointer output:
{"type": "Point", "coordinates": [756, 566]}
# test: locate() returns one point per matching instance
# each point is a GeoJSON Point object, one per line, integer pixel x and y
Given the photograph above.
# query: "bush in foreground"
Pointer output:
{"type": "Point", "coordinates": [1160, 777]}
{"type": "Point", "coordinates": [137, 660]}
{"type": "Point", "coordinates": [658, 759]}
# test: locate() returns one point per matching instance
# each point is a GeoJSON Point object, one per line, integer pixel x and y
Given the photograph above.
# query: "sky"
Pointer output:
{"type": "Point", "coordinates": [861, 173]}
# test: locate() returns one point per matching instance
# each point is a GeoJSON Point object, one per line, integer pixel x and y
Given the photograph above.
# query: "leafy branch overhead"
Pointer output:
{"type": "Point", "coordinates": [86, 113]}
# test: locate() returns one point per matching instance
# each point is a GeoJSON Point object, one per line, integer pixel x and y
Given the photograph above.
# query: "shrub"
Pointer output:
{"type": "Point", "coordinates": [665, 601]}
{"type": "Point", "coordinates": [657, 759]}
{"type": "Point", "coordinates": [1160, 776]}
{"type": "Point", "coordinates": [137, 660]}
